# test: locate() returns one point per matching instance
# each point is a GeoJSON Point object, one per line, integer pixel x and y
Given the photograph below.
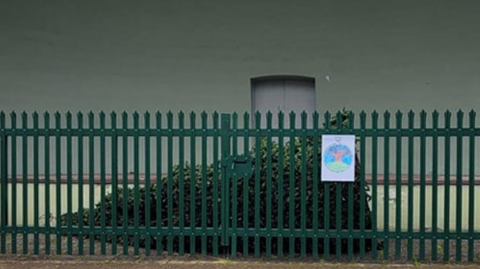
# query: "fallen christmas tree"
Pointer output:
{"type": "Point", "coordinates": [209, 201]}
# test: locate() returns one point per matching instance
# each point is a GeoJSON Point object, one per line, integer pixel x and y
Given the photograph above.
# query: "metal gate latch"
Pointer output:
{"type": "Point", "coordinates": [242, 166]}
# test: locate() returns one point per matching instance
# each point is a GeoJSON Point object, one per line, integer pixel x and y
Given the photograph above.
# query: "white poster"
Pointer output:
{"type": "Point", "coordinates": [338, 158]}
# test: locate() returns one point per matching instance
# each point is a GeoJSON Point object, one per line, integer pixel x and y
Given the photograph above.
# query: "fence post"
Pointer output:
{"type": "Point", "coordinates": [4, 175]}
{"type": "Point", "coordinates": [225, 148]}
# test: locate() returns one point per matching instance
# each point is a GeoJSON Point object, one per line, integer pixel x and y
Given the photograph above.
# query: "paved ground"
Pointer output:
{"type": "Point", "coordinates": [163, 261]}
{"type": "Point", "coordinates": [368, 259]}
{"type": "Point", "coordinates": [24, 263]}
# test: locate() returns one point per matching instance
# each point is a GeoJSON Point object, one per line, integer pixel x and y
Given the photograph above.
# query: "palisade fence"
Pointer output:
{"type": "Point", "coordinates": [224, 185]}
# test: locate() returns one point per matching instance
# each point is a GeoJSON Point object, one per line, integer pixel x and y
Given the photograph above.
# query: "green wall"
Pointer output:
{"type": "Point", "coordinates": [200, 55]}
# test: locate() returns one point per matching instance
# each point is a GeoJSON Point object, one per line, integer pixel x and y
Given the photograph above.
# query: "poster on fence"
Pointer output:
{"type": "Point", "coordinates": [338, 158]}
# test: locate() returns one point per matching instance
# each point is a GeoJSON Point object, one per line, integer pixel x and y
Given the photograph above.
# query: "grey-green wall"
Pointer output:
{"type": "Point", "coordinates": [196, 55]}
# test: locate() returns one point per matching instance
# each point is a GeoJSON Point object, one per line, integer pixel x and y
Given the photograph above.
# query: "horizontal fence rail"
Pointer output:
{"type": "Point", "coordinates": [240, 185]}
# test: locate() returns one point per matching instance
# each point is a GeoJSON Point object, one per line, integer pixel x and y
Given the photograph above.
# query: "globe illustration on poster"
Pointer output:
{"type": "Point", "coordinates": [338, 157]}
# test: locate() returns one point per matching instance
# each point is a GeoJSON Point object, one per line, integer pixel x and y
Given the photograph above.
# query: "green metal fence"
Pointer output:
{"type": "Point", "coordinates": [64, 186]}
